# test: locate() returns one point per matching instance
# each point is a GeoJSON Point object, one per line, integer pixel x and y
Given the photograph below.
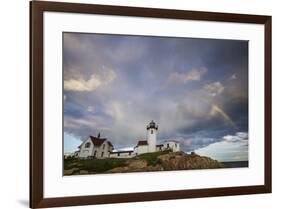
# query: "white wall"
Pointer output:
{"type": "Point", "coordinates": [175, 146]}
{"type": "Point", "coordinates": [142, 149]}
{"type": "Point", "coordinates": [14, 104]}
{"type": "Point", "coordinates": [122, 155]}
{"type": "Point", "coordinates": [151, 139]}
{"type": "Point", "coordinates": [85, 152]}
{"type": "Point", "coordinates": [105, 151]}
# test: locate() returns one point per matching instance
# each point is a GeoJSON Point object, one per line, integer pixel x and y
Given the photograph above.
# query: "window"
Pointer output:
{"type": "Point", "coordinates": [118, 154]}
{"type": "Point", "coordinates": [151, 132]}
{"type": "Point", "coordinates": [95, 153]}
{"type": "Point", "coordinates": [101, 154]}
{"type": "Point", "coordinates": [103, 146]}
{"type": "Point", "coordinates": [87, 145]}
{"type": "Point", "coordinates": [168, 145]}
{"type": "Point", "coordinates": [175, 145]}
{"type": "Point", "coordinates": [129, 153]}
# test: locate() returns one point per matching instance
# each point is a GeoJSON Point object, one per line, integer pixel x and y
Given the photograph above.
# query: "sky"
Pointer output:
{"type": "Point", "coordinates": [196, 90]}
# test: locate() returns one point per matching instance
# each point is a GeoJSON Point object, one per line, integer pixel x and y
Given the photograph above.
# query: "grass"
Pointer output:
{"type": "Point", "coordinates": [152, 158]}
{"type": "Point", "coordinates": [94, 165]}
{"type": "Point", "coordinates": [103, 165]}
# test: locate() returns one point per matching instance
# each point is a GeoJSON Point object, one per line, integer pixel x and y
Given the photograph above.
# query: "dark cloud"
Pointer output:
{"type": "Point", "coordinates": [116, 84]}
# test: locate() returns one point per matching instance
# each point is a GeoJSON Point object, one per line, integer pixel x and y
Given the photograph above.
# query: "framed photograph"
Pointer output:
{"type": "Point", "coordinates": [139, 104]}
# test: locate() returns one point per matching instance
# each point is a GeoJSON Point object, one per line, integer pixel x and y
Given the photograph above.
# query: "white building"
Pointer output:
{"type": "Point", "coordinates": [95, 147]}
{"type": "Point", "coordinates": [141, 147]}
{"type": "Point", "coordinates": [172, 145]}
{"type": "Point", "coordinates": [122, 154]}
{"type": "Point", "coordinates": [150, 145]}
{"type": "Point", "coordinates": [152, 136]}
{"type": "Point", "coordinates": [68, 155]}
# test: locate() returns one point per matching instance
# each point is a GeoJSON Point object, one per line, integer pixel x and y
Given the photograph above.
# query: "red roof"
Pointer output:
{"type": "Point", "coordinates": [109, 143]}
{"type": "Point", "coordinates": [97, 141]}
{"type": "Point", "coordinates": [142, 142]}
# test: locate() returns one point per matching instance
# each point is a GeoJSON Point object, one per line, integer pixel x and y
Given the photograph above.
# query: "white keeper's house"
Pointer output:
{"type": "Point", "coordinates": [97, 147]}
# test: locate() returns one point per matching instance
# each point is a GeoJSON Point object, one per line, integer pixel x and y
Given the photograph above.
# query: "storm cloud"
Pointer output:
{"type": "Point", "coordinates": [195, 89]}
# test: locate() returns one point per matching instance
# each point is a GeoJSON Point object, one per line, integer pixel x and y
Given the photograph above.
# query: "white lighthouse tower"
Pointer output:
{"type": "Point", "coordinates": [151, 136]}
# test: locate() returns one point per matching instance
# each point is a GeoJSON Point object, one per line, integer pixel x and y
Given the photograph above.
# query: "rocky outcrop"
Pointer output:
{"type": "Point", "coordinates": [132, 166]}
{"type": "Point", "coordinates": [183, 161]}
{"type": "Point", "coordinates": [169, 161]}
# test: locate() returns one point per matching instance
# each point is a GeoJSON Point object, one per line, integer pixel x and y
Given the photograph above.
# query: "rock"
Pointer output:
{"type": "Point", "coordinates": [70, 171]}
{"type": "Point", "coordinates": [169, 161]}
{"type": "Point", "coordinates": [83, 172]}
{"type": "Point", "coordinates": [132, 166]}
{"type": "Point", "coordinates": [119, 170]}
{"type": "Point", "coordinates": [155, 168]}
{"type": "Point", "coordinates": [183, 161]}
{"type": "Point", "coordinates": [137, 164]}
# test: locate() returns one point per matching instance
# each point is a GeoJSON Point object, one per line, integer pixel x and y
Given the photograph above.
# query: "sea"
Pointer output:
{"type": "Point", "coordinates": [236, 164]}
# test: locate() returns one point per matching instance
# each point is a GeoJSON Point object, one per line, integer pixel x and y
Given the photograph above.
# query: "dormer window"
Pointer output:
{"type": "Point", "coordinates": [87, 145]}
